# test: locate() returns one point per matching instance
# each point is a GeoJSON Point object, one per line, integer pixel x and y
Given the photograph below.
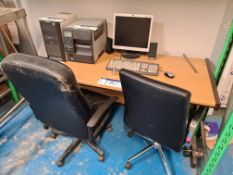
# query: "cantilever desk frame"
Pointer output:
{"type": "Point", "coordinates": [200, 83]}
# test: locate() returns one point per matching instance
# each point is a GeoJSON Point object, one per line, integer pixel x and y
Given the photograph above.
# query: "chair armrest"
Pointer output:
{"type": "Point", "coordinates": [100, 111]}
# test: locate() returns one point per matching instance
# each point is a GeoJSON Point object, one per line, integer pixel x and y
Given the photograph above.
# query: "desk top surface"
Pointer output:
{"type": "Point", "coordinates": [199, 84]}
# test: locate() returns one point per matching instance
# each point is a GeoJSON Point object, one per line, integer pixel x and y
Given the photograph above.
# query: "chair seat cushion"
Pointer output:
{"type": "Point", "coordinates": [93, 99]}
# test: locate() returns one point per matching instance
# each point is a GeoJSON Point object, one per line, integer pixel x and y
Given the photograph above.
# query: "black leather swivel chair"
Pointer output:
{"type": "Point", "coordinates": [156, 111]}
{"type": "Point", "coordinates": [51, 89]}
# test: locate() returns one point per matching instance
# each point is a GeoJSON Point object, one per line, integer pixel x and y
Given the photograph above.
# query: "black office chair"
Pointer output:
{"type": "Point", "coordinates": [156, 111]}
{"type": "Point", "coordinates": [51, 89]}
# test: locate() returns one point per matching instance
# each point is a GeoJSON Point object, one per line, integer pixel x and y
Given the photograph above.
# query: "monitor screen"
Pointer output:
{"type": "Point", "coordinates": [132, 32]}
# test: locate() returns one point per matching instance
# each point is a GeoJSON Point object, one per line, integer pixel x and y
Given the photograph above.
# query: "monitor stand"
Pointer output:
{"type": "Point", "coordinates": [131, 54]}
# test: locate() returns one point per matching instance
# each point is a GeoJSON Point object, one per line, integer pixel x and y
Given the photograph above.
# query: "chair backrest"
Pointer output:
{"type": "Point", "coordinates": [155, 110]}
{"type": "Point", "coordinates": [51, 89]}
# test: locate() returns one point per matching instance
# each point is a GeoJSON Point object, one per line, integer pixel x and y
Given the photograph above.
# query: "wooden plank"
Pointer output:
{"type": "Point", "coordinates": [4, 90]}
{"type": "Point", "coordinates": [11, 14]}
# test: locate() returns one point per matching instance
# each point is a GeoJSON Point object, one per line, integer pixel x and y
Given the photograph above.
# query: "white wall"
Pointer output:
{"type": "Point", "coordinates": [180, 26]}
{"type": "Point", "coordinates": [223, 31]}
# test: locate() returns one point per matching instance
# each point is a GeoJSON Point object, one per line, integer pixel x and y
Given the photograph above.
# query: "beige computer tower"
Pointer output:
{"type": "Point", "coordinates": [52, 31]}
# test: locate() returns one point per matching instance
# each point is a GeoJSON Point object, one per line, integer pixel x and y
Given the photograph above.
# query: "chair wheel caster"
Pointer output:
{"type": "Point", "coordinates": [130, 134]}
{"type": "Point", "coordinates": [109, 128]}
{"type": "Point", "coordinates": [53, 136]}
{"type": "Point", "coordinates": [97, 138]}
{"type": "Point", "coordinates": [46, 127]}
{"type": "Point", "coordinates": [101, 158]}
{"type": "Point", "coordinates": [128, 165]}
{"type": "Point", "coordinates": [60, 163]}
{"type": "Point", "coordinates": [187, 153]}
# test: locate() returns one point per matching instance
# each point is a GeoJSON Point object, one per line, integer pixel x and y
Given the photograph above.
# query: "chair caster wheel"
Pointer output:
{"type": "Point", "coordinates": [130, 134]}
{"type": "Point", "coordinates": [187, 152]}
{"type": "Point", "coordinates": [46, 127]}
{"type": "Point", "coordinates": [60, 163]}
{"type": "Point", "coordinates": [109, 128]}
{"type": "Point", "coordinates": [101, 158]}
{"type": "Point", "coordinates": [97, 138]}
{"type": "Point", "coordinates": [128, 165]}
{"type": "Point", "coordinates": [53, 136]}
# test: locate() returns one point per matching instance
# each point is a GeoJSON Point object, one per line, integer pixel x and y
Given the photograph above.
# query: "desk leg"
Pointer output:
{"type": "Point", "coordinates": [194, 124]}
{"type": "Point", "coordinates": [193, 157]}
{"type": "Point", "coordinates": [190, 146]}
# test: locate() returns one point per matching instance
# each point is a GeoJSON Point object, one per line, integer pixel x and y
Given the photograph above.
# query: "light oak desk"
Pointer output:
{"type": "Point", "coordinates": [200, 84]}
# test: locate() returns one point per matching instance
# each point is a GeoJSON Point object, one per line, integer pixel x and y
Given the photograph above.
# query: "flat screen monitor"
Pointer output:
{"type": "Point", "coordinates": [132, 32]}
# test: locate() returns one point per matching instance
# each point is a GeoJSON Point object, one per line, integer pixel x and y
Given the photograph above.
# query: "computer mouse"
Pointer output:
{"type": "Point", "coordinates": [169, 74]}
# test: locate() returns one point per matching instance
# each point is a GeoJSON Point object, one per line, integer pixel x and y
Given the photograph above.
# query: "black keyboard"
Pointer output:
{"type": "Point", "coordinates": [136, 66]}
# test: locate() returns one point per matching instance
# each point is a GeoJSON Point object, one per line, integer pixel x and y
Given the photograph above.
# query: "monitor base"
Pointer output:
{"type": "Point", "coordinates": [131, 54]}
